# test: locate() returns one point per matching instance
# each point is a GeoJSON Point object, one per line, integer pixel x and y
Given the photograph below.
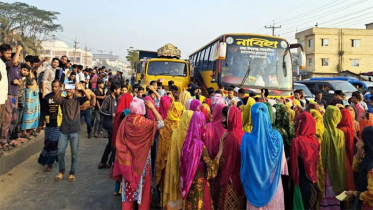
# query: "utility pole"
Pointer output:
{"type": "Point", "coordinates": [273, 28]}
{"type": "Point", "coordinates": [75, 47]}
{"type": "Point", "coordinates": [86, 54]}
{"type": "Point", "coordinates": [101, 51]}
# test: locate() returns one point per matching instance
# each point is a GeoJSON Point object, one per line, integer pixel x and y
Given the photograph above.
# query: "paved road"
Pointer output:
{"type": "Point", "coordinates": [27, 187]}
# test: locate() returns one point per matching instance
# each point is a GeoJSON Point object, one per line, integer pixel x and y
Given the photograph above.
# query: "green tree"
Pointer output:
{"type": "Point", "coordinates": [132, 56]}
{"type": "Point", "coordinates": [26, 25]}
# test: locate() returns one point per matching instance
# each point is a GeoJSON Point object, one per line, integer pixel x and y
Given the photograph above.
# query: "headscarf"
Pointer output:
{"type": "Point", "coordinates": [270, 112]}
{"type": "Point", "coordinates": [298, 110]}
{"type": "Point", "coordinates": [365, 123]}
{"type": "Point", "coordinates": [184, 95]}
{"type": "Point", "coordinates": [191, 152]}
{"type": "Point", "coordinates": [247, 122]}
{"type": "Point", "coordinates": [310, 106]}
{"type": "Point", "coordinates": [205, 109]}
{"type": "Point", "coordinates": [214, 131]}
{"type": "Point", "coordinates": [319, 135]}
{"type": "Point", "coordinates": [187, 103]}
{"type": "Point", "coordinates": [367, 162]}
{"type": "Point", "coordinates": [218, 99]}
{"type": "Point", "coordinates": [232, 153]}
{"type": "Point", "coordinates": [194, 104]}
{"type": "Point", "coordinates": [164, 106]}
{"type": "Point", "coordinates": [134, 138]}
{"type": "Point", "coordinates": [171, 123]}
{"type": "Point", "coordinates": [305, 145]}
{"type": "Point", "coordinates": [149, 113]}
{"type": "Point", "coordinates": [208, 101]}
{"type": "Point", "coordinates": [347, 128]}
{"type": "Point", "coordinates": [123, 103]}
{"type": "Point", "coordinates": [261, 158]}
{"type": "Point", "coordinates": [333, 149]}
{"type": "Point", "coordinates": [172, 187]}
{"type": "Point", "coordinates": [282, 124]}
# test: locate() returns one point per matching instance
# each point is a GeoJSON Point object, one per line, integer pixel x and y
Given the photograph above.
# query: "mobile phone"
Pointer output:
{"type": "Point", "coordinates": [70, 86]}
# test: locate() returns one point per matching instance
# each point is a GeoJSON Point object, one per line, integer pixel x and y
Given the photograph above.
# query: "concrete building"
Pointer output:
{"type": "Point", "coordinates": [110, 61]}
{"type": "Point", "coordinates": [57, 48]}
{"type": "Point", "coordinates": [333, 50]}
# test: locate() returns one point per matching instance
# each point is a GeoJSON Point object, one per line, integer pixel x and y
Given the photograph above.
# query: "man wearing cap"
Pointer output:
{"type": "Point", "coordinates": [85, 108]}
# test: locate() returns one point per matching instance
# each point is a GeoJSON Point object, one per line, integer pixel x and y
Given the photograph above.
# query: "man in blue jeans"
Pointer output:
{"type": "Point", "coordinates": [85, 109]}
{"type": "Point", "coordinates": [70, 127]}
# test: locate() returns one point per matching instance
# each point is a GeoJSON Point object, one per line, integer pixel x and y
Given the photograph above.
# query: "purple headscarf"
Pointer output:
{"type": "Point", "coordinates": [191, 152]}
{"type": "Point", "coordinates": [194, 104]}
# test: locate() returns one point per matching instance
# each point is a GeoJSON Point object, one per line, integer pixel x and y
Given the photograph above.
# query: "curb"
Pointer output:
{"type": "Point", "coordinates": [17, 155]}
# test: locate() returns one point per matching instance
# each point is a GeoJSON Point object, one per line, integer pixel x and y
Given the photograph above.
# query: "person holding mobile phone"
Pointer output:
{"type": "Point", "coordinates": [70, 128]}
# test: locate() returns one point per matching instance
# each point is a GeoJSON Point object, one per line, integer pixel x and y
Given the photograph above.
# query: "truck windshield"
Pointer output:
{"type": "Point", "coordinates": [268, 59]}
{"type": "Point", "coordinates": [167, 68]}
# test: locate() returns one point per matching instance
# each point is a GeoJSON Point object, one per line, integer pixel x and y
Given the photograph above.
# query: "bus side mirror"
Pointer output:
{"type": "Point", "coordinates": [222, 50]}
{"type": "Point", "coordinates": [302, 60]}
{"type": "Point", "coordinates": [301, 55]}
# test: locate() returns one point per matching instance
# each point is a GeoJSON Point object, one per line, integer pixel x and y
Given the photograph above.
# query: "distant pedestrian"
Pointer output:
{"type": "Point", "coordinates": [100, 97]}
{"type": "Point", "coordinates": [70, 128]}
{"type": "Point", "coordinates": [108, 109]}
{"type": "Point", "coordinates": [85, 109]}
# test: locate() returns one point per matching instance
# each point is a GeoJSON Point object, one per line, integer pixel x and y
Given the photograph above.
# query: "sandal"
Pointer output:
{"type": "Point", "coordinates": [5, 146]}
{"type": "Point", "coordinates": [26, 136]}
{"type": "Point", "coordinates": [59, 177]}
{"type": "Point", "coordinates": [71, 178]}
{"type": "Point", "coordinates": [20, 140]}
{"type": "Point", "coordinates": [13, 143]}
{"type": "Point", "coordinates": [33, 133]}
{"type": "Point", "coordinates": [48, 169]}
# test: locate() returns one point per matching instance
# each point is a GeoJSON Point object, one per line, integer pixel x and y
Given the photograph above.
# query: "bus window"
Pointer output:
{"type": "Point", "coordinates": [206, 58]}
{"type": "Point", "coordinates": [196, 62]}
{"type": "Point", "coordinates": [200, 62]}
{"type": "Point", "coordinates": [211, 57]}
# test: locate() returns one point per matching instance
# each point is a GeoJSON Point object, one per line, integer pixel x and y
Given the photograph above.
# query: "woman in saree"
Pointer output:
{"type": "Point", "coordinates": [172, 198]}
{"type": "Point", "coordinates": [365, 121]}
{"type": "Point", "coordinates": [262, 162]}
{"type": "Point", "coordinates": [363, 165]}
{"type": "Point", "coordinates": [214, 131]}
{"type": "Point", "coordinates": [228, 192]}
{"type": "Point", "coordinates": [319, 135]}
{"type": "Point", "coordinates": [184, 96]}
{"type": "Point", "coordinates": [217, 99]}
{"type": "Point", "coordinates": [194, 105]}
{"type": "Point", "coordinates": [196, 167]}
{"type": "Point", "coordinates": [132, 163]}
{"type": "Point", "coordinates": [355, 122]}
{"type": "Point", "coordinates": [246, 116]}
{"type": "Point", "coordinates": [304, 158]}
{"type": "Point", "coordinates": [347, 128]}
{"type": "Point", "coordinates": [164, 106]}
{"type": "Point", "coordinates": [205, 109]}
{"type": "Point", "coordinates": [171, 123]}
{"type": "Point", "coordinates": [333, 159]}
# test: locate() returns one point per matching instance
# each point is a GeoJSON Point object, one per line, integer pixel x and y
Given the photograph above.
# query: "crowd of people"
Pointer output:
{"type": "Point", "coordinates": [179, 149]}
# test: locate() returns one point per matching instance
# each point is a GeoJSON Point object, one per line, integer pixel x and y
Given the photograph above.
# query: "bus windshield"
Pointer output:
{"type": "Point", "coordinates": [266, 61]}
{"type": "Point", "coordinates": [167, 68]}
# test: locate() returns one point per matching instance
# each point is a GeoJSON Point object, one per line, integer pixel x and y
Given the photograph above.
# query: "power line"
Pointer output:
{"type": "Point", "coordinates": [326, 22]}
{"type": "Point", "coordinates": [332, 12]}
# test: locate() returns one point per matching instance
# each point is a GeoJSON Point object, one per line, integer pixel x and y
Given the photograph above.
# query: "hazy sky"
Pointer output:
{"type": "Point", "coordinates": [115, 25]}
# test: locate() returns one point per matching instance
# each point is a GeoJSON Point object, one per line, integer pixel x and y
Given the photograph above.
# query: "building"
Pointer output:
{"type": "Point", "coordinates": [57, 48]}
{"type": "Point", "coordinates": [110, 61]}
{"type": "Point", "coordinates": [330, 51]}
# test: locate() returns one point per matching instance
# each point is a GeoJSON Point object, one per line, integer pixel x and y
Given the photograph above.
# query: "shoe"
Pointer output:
{"type": "Point", "coordinates": [102, 166]}
{"type": "Point", "coordinates": [89, 135]}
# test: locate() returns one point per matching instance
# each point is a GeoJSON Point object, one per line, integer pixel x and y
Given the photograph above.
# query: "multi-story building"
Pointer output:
{"type": "Point", "coordinates": [57, 48]}
{"type": "Point", "coordinates": [112, 61]}
{"type": "Point", "coordinates": [333, 50]}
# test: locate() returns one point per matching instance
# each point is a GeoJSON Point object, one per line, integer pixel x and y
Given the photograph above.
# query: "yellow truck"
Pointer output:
{"type": "Point", "coordinates": [167, 66]}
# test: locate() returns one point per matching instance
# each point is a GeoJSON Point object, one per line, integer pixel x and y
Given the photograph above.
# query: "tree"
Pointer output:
{"type": "Point", "coordinates": [132, 56]}
{"type": "Point", "coordinates": [25, 25]}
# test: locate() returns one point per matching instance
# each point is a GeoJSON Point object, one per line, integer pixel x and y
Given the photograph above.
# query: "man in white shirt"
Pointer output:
{"type": "Point", "coordinates": [5, 55]}
{"type": "Point", "coordinates": [80, 75]}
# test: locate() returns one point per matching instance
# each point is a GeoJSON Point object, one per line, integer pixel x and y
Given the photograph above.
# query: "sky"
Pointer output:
{"type": "Point", "coordinates": [115, 25]}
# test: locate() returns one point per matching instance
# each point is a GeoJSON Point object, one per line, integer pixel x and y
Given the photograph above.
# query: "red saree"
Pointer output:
{"type": "Point", "coordinates": [134, 138]}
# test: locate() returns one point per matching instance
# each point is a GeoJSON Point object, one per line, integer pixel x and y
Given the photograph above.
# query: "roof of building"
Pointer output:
{"type": "Point", "coordinates": [54, 43]}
